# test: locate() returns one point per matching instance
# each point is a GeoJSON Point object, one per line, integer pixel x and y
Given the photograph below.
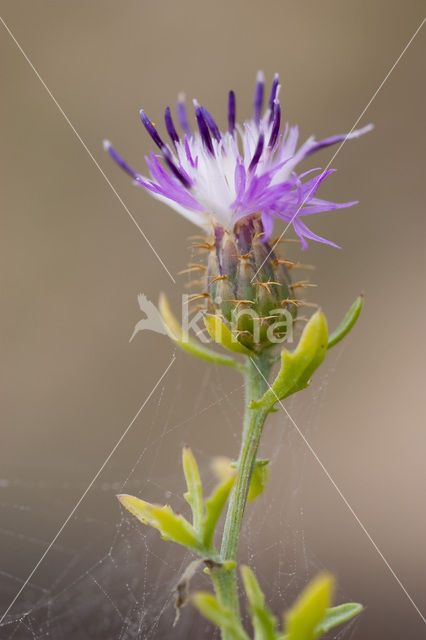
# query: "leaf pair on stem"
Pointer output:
{"type": "Point", "coordinates": [198, 536]}
{"type": "Point", "coordinates": [309, 618]}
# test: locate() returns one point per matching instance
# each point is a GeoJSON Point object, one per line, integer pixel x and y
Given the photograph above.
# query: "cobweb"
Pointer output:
{"type": "Point", "coordinates": [115, 579]}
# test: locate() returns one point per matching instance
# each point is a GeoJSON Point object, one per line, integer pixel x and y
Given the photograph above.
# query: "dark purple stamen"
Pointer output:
{"type": "Point", "coordinates": [204, 130]}
{"type": "Point", "coordinates": [170, 126]}
{"type": "Point", "coordinates": [180, 174]}
{"type": "Point", "coordinates": [211, 124]}
{"type": "Point", "coordinates": [231, 112]}
{"type": "Point", "coordinates": [151, 129]}
{"type": "Point", "coordinates": [120, 161]}
{"type": "Point", "coordinates": [274, 88]}
{"type": "Point", "coordinates": [257, 153]}
{"type": "Point", "coordinates": [183, 118]}
{"type": "Point", "coordinates": [188, 153]}
{"type": "Point", "coordinates": [258, 97]}
{"type": "Point", "coordinates": [272, 97]}
{"type": "Point", "coordinates": [276, 126]}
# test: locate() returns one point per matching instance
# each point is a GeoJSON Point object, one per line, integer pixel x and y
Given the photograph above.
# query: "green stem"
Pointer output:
{"type": "Point", "coordinates": [225, 582]}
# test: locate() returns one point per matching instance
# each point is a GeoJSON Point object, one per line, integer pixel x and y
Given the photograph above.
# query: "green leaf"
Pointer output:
{"type": "Point", "coordinates": [199, 536]}
{"type": "Point", "coordinates": [337, 615]}
{"type": "Point", "coordinates": [297, 367]}
{"type": "Point", "coordinates": [223, 336]}
{"type": "Point", "coordinates": [194, 495]}
{"type": "Point", "coordinates": [264, 622]}
{"type": "Point", "coordinates": [213, 508]}
{"type": "Point", "coordinates": [303, 619]}
{"type": "Point", "coordinates": [171, 525]}
{"type": "Point", "coordinates": [188, 344]}
{"type": "Point", "coordinates": [259, 479]}
{"type": "Point", "coordinates": [347, 323]}
{"type": "Point", "coordinates": [224, 468]}
{"type": "Point", "coordinates": [221, 616]}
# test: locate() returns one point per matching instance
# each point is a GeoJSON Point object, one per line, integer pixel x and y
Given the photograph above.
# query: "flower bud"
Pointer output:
{"type": "Point", "coordinates": [248, 286]}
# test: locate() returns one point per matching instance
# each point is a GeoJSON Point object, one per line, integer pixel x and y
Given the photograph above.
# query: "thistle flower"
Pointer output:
{"type": "Point", "coordinates": [234, 184]}
{"type": "Point", "coordinates": [210, 176]}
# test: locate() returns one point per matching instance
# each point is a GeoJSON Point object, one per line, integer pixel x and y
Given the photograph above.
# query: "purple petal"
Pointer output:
{"type": "Point", "coordinates": [258, 97]}
{"type": "Point", "coordinates": [120, 161]}
{"type": "Point", "coordinates": [182, 115]}
{"type": "Point", "coordinates": [327, 206]}
{"type": "Point", "coordinates": [179, 198]}
{"type": "Point", "coordinates": [327, 142]}
{"type": "Point", "coordinates": [178, 172]}
{"type": "Point", "coordinates": [310, 187]}
{"type": "Point", "coordinates": [268, 225]}
{"type": "Point", "coordinates": [303, 232]}
{"type": "Point", "coordinates": [240, 178]}
{"type": "Point", "coordinates": [167, 185]}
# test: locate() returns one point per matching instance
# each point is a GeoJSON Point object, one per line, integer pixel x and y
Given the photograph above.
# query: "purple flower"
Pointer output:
{"type": "Point", "coordinates": [212, 176]}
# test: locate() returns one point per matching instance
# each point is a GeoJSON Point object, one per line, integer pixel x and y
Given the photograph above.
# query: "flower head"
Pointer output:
{"type": "Point", "coordinates": [210, 176]}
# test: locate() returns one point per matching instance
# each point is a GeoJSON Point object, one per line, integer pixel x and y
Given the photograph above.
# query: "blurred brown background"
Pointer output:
{"type": "Point", "coordinates": [73, 263]}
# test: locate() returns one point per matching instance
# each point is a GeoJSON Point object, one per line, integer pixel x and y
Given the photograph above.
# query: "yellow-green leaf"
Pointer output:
{"type": "Point", "coordinates": [347, 323]}
{"type": "Point", "coordinates": [310, 609]}
{"type": "Point", "coordinates": [221, 616]}
{"type": "Point", "coordinates": [264, 622]}
{"type": "Point", "coordinates": [336, 616]}
{"type": "Point", "coordinates": [223, 336]}
{"type": "Point", "coordinates": [213, 508]}
{"type": "Point", "coordinates": [171, 525]}
{"type": "Point", "coordinates": [259, 479]}
{"type": "Point", "coordinates": [194, 495]}
{"type": "Point", "coordinates": [224, 468]}
{"type": "Point", "coordinates": [298, 366]}
{"type": "Point", "coordinates": [187, 343]}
